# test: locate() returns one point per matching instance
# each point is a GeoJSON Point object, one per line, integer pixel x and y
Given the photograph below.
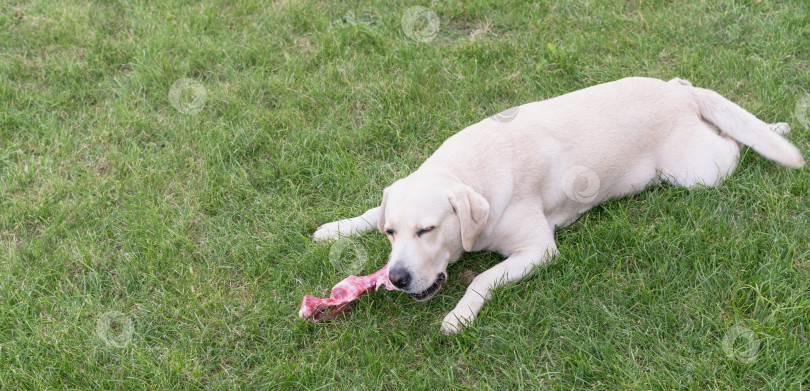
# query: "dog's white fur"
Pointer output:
{"type": "Point", "coordinates": [506, 186]}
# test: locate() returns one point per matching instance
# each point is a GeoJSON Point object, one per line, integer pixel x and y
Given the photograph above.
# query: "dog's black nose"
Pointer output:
{"type": "Point", "coordinates": [399, 277]}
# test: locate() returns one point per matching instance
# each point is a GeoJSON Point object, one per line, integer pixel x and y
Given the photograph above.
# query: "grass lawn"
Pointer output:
{"type": "Point", "coordinates": [154, 237]}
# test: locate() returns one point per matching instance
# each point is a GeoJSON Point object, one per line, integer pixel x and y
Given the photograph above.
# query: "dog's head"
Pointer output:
{"type": "Point", "coordinates": [428, 222]}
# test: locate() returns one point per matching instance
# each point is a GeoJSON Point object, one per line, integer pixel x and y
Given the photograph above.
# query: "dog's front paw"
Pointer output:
{"type": "Point", "coordinates": [456, 320]}
{"type": "Point", "coordinates": [328, 231]}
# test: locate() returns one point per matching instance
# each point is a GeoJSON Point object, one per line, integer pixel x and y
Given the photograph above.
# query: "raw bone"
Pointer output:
{"type": "Point", "coordinates": [343, 294]}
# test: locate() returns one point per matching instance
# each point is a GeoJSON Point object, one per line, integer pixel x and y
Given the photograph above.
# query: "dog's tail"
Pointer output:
{"type": "Point", "coordinates": [746, 128]}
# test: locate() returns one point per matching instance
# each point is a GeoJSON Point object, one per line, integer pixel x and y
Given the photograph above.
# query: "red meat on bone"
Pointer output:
{"type": "Point", "coordinates": [343, 294]}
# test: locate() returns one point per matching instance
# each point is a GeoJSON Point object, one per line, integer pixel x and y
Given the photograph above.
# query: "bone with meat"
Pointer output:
{"type": "Point", "coordinates": [343, 294]}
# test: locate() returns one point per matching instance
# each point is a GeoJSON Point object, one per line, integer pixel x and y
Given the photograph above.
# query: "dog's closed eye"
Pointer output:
{"type": "Point", "coordinates": [424, 230]}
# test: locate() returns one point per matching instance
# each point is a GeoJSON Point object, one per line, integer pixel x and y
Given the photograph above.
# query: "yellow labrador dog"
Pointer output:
{"type": "Point", "coordinates": [506, 183]}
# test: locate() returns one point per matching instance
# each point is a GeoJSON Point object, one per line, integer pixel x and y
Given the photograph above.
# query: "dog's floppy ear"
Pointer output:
{"type": "Point", "coordinates": [472, 210]}
{"type": "Point", "coordinates": [381, 218]}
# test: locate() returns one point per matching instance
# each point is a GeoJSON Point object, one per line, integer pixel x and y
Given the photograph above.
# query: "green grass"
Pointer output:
{"type": "Point", "coordinates": [196, 227]}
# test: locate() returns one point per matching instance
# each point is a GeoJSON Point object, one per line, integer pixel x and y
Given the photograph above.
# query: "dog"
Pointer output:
{"type": "Point", "coordinates": [506, 183]}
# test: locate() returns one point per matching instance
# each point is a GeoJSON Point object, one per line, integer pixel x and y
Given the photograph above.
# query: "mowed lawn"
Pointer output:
{"type": "Point", "coordinates": [154, 237]}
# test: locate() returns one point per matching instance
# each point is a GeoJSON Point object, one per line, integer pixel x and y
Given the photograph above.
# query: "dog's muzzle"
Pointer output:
{"type": "Point", "coordinates": [431, 290]}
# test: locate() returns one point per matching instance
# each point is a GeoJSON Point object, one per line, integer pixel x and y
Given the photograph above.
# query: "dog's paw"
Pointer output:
{"type": "Point", "coordinates": [780, 128]}
{"type": "Point", "coordinates": [680, 81]}
{"type": "Point", "coordinates": [327, 232]}
{"type": "Point", "coordinates": [456, 320]}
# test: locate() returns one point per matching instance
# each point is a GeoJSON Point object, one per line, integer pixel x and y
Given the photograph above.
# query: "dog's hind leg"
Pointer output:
{"type": "Point", "coordinates": [680, 81]}
{"type": "Point", "coordinates": [348, 227]}
{"type": "Point", "coordinates": [737, 123]}
{"type": "Point", "coordinates": [698, 156]}
{"type": "Point", "coordinates": [780, 128]}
